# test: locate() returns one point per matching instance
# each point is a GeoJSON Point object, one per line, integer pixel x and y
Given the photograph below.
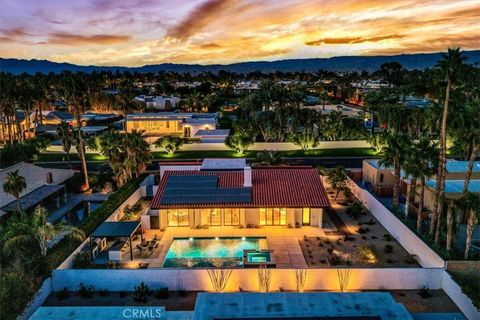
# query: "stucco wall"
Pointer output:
{"type": "Point", "coordinates": [246, 279]}
{"type": "Point", "coordinates": [413, 244]}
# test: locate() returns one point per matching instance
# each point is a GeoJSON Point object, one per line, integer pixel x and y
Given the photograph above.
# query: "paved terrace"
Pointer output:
{"type": "Point", "coordinates": [72, 202]}
{"type": "Point", "coordinates": [283, 241]}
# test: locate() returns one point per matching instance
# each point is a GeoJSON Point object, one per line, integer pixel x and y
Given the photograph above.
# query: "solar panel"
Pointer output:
{"type": "Point", "coordinates": [194, 189]}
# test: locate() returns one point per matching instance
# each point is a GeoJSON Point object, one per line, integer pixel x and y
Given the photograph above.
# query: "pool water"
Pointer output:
{"type": "Point", "coordinates": [258, 257]}
{"type": "Point", "coordinates": [208, 252]}
{"type": "Point", "coordinates": [80, 212]}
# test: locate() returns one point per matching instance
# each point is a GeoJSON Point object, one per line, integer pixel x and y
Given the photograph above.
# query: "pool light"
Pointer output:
{"type": "Point", "coordinates": [216, 238]}
{"type": "Point", "coordinates": [191, 239]}
{"type": "Point", "coordinates": [243, 238]}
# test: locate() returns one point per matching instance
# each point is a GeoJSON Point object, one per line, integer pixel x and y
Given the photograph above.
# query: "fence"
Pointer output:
{"type": "Point", "coordinates": [246, 279]}
{"type": "Point", "coordinates": [408, 239]}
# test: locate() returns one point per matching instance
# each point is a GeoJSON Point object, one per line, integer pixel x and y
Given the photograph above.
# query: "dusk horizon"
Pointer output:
{"type": "Point", "coordinates": [132, 34]}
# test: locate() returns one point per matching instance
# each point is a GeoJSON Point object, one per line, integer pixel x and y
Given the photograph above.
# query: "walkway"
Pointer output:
{"type": "Point", "coordinates": [73, 201]}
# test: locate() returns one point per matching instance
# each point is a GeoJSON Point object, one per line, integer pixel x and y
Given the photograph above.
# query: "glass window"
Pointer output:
{"type": "Point", "coordinates": [215, 217]}
{"type": "Point", "coordinates": [178, 218]}
{"type": "Point", "coordinates": [306, 216]}
{"type": "Point", "coordinates": [273, 216]}
{"type": "Point", "coordinates": [231, 217]}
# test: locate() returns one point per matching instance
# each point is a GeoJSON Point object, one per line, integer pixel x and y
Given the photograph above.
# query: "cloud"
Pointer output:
{"type": "Point", "coordinates": [200, 18]}
{"type": "Point", "coordinates": [352, 40]}
{"type": "Point", "coordinates": [69, 39]}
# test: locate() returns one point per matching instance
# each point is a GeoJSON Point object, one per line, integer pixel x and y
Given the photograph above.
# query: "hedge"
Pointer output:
{"type": "Point", "coordinates": [62, 250]}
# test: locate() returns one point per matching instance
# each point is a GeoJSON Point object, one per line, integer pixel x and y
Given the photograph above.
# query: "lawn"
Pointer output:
{"type": "Point", "coordinates": [351, 152]}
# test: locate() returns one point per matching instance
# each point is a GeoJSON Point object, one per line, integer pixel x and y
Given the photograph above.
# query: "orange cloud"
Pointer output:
{"type": "Point", "coordinates": [69, 39]}
{"type": "Point", "coordinates": [352, 40]}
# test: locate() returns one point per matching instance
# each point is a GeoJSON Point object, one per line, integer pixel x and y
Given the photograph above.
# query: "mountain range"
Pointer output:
{"type": "Point", "coordinates": [338, 64]}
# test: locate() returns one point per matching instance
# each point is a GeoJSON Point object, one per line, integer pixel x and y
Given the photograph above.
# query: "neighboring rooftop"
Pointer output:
{"type": "Point", "coordinates": [116, 229]}
{"type": "Point", "coordinates": [223, 164]}
{"type": "Point", "coordinates": [292, 305]}
{"type": "Point", "coordinates": [35, 177]}
{"type": "Point", "coordinates": [456, 186]}
{"type": "Point", "coordinates": [271, 187]}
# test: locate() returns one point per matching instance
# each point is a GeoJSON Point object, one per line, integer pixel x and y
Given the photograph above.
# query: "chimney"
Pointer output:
{"type": "Point", "coordinates": [49, 177]}
{"type": "Point", "coordinates": [247, 176]}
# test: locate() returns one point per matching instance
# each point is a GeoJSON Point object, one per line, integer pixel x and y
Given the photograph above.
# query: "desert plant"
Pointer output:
{"type": "Point", "coordinates": [424, 293]}
{"type": "Point", "coordinates": [343, 276]}
{"type": "Point", "coordinates": [219, 278]}
{"type": "Point", "coordinates": [161, 293]}
{"type": "Point", "coordinates": [388, 248]}
{"type": "Point", "coordinates": [85, 292]}
{"type": "Point", "coordinates": [264, 278]}
{"type": "Point", "coordinates": [300, 279]}
{"type": "Point", "coordinates": [355, 210]}
{"type": "Point", "coordinates": [141, 293]}
{"type": "Point", "coordinates": [368, 253]}
{"type": "Point", "coordinates": [81, 260]}
{"type": "Point", "coordinates": [62, 294]}
{"type": "Point", "coordinates": [387, 237]}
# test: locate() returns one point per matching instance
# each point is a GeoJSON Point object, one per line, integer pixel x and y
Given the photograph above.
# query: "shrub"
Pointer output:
{"type": "Point", "coordinates": [239, 143]}
{"type": "Point", "coordinates": [424, 293]}
{"type": "Point", "coordinates": [387, 237]}
{"type": "Point", "coordinates": [62, 294]}
{"type": "Point", "coordinates": [122, 294]}
{"type": "Point", "coordinates": [363, 230]}
{"type": "Point", "coordinates": [388, 248]}
{"type": "Point", "coordinates": [411, 259]}
{"type": "Point", "coordinates": [85, 292]}
{"type": "Point", "coordinates": [141, 293]}
{"type": "Point", "coordinates": [170, 144]}
{"type": "Point", "coordinates": [161, 293]}
{"type": "Point", "coordinates": [367, 253]}
{"type": "Point", "coordinates": [355, 210]}
{"type": "Point", "coordinates": [103, 293]}
{"type": "Point", "coordinates": [81, 260]}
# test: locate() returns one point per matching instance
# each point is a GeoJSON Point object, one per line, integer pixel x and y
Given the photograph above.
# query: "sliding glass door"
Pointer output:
{"type": "Point", "coordinates": [273, 216]}
{"type": "Point", "coordinates": [178, 218]}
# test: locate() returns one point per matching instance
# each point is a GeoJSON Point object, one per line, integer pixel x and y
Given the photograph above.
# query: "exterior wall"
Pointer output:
{"type": "Point", "coordinates": [373, 175]}
{"type": "Point", "coordinates": [316, 217]}
{"type": "Point", "coordinates": [155, 127]}
{"type": "Point", "coordinates": [294, 215]}
{"type": "Point", "coordinates": [413, 244]}
{"type": "Point", "coordinates": [198, 279]}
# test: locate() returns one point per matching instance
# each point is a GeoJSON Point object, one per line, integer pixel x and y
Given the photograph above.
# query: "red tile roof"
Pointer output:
{"type": "Point", "coordinates": [272, 187]}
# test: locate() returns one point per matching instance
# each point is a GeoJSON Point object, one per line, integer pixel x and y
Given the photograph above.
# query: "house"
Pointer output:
{"type": "Point", "coordinates": [212, 136]}
{"type": "Point", "coordinates": [9, 127]}
{"type": "Point", "coordinates": [228, 192]}
{"type": "Point", "coordinates": [380, 180]}
{"type": "Point", "coordinates": [44, 186]}
{"type": "Point", "coordinates": [159, 102]}
{"type": "Point", "coordinates": [171, 123]}
{"type": "Point", "coordinates": [52, 117]}
{"type": "Point", "coordinates": [98, 119]}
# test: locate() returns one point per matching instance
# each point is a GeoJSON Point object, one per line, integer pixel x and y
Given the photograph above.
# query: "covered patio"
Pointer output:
{"type": "Point", "coordinates": [121, 231]}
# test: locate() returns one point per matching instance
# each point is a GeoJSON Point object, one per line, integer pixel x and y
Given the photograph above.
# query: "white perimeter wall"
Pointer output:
{"type": "Point", "coordinates": [408, 239]}
{"type": "Point", "coordinates": [247, 279]}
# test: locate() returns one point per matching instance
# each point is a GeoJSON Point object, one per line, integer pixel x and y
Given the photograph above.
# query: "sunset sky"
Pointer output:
{"type": "Point", "coordinates": [139, 32]}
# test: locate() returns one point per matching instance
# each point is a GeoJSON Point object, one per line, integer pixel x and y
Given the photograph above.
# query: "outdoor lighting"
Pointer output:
{"type": "Point", "coordinates": [243, 238]}
{"type": "Point", "coordinates": [191, 239]}
{"type": "Point", "coordinates": [216, 238]}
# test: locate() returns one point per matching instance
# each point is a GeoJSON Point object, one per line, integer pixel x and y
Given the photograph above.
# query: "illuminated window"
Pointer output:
{"type": "Point", "coordinates": [273, 216]}
{"type": "Point", "coordinates": [231, 217]}
{"type": "Point", "coordinates": [178, 218]}
{"type": "Point", "coordinates": [306, 216]}
{"type": "Point", "coordinates": [215, 217]}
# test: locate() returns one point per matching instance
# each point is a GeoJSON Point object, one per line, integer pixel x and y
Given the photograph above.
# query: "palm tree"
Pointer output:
{"type": "Point", "coordinates": [394, 155]}
{"type": "Point", "coordinates": [65, 135]}
{"type": "Point", "coordinates": [473, 202]}
{"type": "Point", "coordinates": [71, 95]}
{"type": "Point", "coordinates": [14, 184]}
{"type": "Point", "coordinates": [450, 66]}
{"type": "Point", "coordinates": [42, 231]}
{"type": "Point", "coordinates": [269, 158]}
{"type": "Point", "coordinates": [420, 164]}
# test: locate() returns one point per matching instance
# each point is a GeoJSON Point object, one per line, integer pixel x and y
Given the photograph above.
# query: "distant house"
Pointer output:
{"type": "Point", "coordinates": [53, 117]}
{"type": "Point", "coordinates": [159, 102]}
{"type": "Point", "coordinates": [171, 123]}
{"type": "Point", "coordinates": [95, 119]}
{"type": "Point", "coordinates": [44, 186]}
{"type": "Point", "coordinates": [212, 136]}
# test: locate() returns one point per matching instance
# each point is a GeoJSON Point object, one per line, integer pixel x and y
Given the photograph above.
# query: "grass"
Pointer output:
{"type": "Point", "coordinates": [180, 155]}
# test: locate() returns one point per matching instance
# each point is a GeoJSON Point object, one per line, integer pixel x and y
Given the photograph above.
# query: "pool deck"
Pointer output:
{"type": "Point", "coordinates": [283, 241]}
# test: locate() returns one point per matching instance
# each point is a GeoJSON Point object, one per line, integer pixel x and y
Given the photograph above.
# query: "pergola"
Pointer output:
{"type": "Point", "coordinates": [119, 229]}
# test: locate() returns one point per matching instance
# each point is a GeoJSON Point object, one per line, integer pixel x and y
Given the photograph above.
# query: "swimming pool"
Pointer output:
{"type": "Point", "coordinates": [209, 252]}
{"type": "Point", "coordinates": [80, 212]}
